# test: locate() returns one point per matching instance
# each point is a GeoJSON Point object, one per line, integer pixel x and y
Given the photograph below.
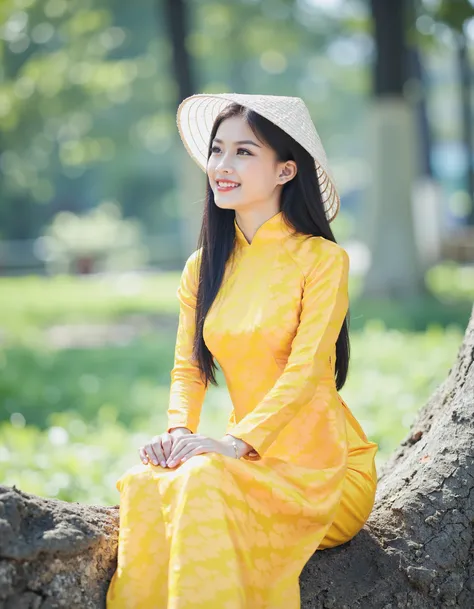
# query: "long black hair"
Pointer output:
{"type": "Point", "coordinates": [301, 206]}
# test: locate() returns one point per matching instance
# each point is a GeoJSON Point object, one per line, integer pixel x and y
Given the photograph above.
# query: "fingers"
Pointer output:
{"type": "Point", "coordinates": [158, 450]}
{"type": "Point", "coordinates": [153, 452]}
{"type": "Point", "coordinates": [198, 450]}
{"type": "Point", "coordinates": [179, 445]}
{"type": "Point", "coordinates": [184, 448]}
{"type": "Point", "coordinates": [168, 450]}
{"type": "Point", "coordinates": [167, 444]}
{"type": "Point", "coordinates": [143, 455]}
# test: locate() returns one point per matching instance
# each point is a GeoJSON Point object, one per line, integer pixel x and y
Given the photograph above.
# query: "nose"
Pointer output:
{"type": "Point", "coordinates": [223, 165]}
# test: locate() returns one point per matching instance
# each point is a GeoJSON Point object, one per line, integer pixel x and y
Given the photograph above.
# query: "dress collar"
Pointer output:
{"type": "Point", "coordinates": [272, 230]}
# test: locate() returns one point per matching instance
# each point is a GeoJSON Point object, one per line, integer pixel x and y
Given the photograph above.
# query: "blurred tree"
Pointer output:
{"type": "Point", "coordinates": [80, 116]}
{"type": "Point", "coordinates": [89, 90]}
{"type": "Point", "coordinates": [427, 27]}
{"type": "Point", "coordinates": [185, 171]}
{"type": "Point", "coordinates": [427, 196]}
{"type": "Point", "coordinates": [455, 15]}
{"type": "Point", "coordinates": [395, 270]}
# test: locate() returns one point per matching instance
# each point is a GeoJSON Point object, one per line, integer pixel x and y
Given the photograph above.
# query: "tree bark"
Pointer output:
{"type": "Point", "coordinates": [415, 551]}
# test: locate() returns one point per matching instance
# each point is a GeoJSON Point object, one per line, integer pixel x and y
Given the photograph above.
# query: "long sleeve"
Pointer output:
{"type": "Point", "coordinates": [325, 303]}
{"type": "Point", "coordinates": [187, 390]}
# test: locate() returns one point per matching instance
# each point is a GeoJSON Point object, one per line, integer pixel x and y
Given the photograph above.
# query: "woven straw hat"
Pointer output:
{"type": "Point", "coordinates": [196, 115]}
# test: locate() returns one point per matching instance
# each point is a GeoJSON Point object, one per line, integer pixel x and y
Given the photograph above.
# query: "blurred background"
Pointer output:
{"type": "Point", "coordinates": [100, 205]}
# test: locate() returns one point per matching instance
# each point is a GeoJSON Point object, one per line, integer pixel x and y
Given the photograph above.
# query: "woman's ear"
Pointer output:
{"type": "Point", "coordinates": [288, 172]}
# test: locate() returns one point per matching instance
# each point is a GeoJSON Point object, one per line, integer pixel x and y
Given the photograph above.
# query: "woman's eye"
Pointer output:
{"type": "Point", "coordinates": [216, 149]}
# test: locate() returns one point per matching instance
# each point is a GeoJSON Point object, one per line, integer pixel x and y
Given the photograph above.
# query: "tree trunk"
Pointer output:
{"type": "Point", "coordinates": [395, 271]}
{"type": "Point", "coordinates": [189, 178]}
{"type": "Point", "coordinates": [416, 550]}
{"type": "Point", "coordinates": [467, 116]}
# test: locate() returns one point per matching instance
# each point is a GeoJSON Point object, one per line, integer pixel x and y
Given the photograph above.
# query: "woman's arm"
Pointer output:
{"type": "Point", "coordinates": [324, 307]}
{"type": "Point", "coordinates": [187, 390]}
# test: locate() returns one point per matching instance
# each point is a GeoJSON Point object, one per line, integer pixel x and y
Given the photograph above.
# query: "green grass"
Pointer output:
{"type": "Point", "coordinates": [31, 303]}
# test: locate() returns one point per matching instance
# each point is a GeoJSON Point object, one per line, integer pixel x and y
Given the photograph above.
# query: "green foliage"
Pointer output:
{"type": "Point", "coordinates": [393, 373]}
{"type": "Point", "coordinates": [454, 14]}
{"type": "Point", "coordinates": [36, 382]}
{"type": "Point", "coordinates": [451, 282]}
{"type": "Point", "coordinates": [77, 93]}
{"type": "Point", "coordinates": [101, 239]}
{"type": "Point", "coordinates": [91, 420]}
{"type": "Point", "coordinates": [76, 461]}
{"type": "Point", "coordinates": [88, 99]}
{"type": "Point", "coordinates": [414, 316]}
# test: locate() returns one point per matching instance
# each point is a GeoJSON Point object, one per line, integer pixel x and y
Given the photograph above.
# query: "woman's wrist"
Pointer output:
{"type": "Point", "coordinates": [180, 431]}
{"type": "Point", "coordinates": [242, 448]}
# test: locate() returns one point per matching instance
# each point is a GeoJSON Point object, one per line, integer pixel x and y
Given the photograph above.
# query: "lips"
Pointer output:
{"type": "Point", "coordinates": [227, 188]}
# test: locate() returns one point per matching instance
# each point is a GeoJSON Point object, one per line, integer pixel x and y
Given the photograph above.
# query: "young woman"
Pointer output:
{"type": "Point", "coordinates": [230, 523]}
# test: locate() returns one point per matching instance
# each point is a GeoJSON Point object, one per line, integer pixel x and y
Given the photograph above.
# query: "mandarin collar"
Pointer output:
{"type": "Point", "coordinates": [272, 230]}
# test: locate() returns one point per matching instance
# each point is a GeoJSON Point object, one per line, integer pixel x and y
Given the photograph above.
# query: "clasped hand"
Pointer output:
{"type": "Point", "coordinates": [169, 450]}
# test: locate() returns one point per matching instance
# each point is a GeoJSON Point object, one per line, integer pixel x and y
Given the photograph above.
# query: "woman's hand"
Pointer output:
{"type": "Point", "coordinates": [185, 447]}
{"type": "Point", "coordinates": [159, 449]}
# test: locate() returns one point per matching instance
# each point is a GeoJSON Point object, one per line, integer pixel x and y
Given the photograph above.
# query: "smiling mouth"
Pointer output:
{"type": "Point", "coordinates": [226, 188]}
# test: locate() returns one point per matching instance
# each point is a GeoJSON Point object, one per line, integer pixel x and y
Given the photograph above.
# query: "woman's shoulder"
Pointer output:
{"type": "Point", "coordinates": [309, 251]}
{"type": "Point", "coordinates": [190, 272]}
{"type": "Point", "coordinates": [193, 260]}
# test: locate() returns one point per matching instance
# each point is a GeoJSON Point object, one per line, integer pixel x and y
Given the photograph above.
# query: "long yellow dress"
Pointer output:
{"type": "Point", "coordinates": [217, 532]}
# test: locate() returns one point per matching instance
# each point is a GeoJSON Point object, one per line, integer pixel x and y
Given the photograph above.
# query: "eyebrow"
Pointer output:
{"type": "Point", "coordinates": [239, 142]}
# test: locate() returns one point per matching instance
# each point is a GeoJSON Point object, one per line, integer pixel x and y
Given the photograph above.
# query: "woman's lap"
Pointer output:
{"type": "Point", "coordinates": [356, 502]}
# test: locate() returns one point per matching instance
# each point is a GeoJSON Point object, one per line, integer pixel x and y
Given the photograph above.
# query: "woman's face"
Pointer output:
{"type": "Point", "coordinates": [238, 156]}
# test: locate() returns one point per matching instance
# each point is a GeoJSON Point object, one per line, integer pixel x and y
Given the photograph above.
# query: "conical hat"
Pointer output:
{"type": "Point", "coordinates": [196, 115]}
